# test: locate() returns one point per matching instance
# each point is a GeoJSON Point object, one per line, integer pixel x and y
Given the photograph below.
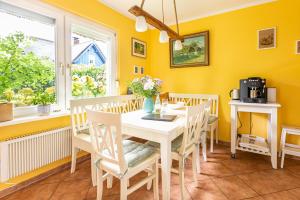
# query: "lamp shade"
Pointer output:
{"type": "Point", "coordinates": [178, 45]}
{"type": "Point", "coordinates": [163, 37]}
{"type": "Point", "coordinates": [141, 24]}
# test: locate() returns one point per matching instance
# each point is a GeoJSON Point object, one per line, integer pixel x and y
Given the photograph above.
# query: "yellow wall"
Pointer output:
{"type": "Point", "coordinates": [234, 55]}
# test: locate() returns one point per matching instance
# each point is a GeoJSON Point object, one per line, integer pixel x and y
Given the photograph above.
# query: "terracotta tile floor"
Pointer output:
{"type": "Point", "coordinates": [250, 176]}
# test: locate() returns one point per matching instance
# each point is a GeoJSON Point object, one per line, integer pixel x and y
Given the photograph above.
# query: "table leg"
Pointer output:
{"type": "Point", "coordinates": [233, 117]}
{"type": "Point", "coordinates": [273, 136]}
{"type": "Point", "coordinates": [166, 159]}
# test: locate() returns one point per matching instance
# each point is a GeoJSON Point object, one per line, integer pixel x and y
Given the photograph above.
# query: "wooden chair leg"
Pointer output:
{"type": "Point", "coordinates": [149, 184]}
{"type": "Point", "coordinates": [198, 158]}
{"type": "Point", "coordinates": [203, 143]}
{"type": "Point", "coordinates": [74, 158]}
{"type": "Point", "coordinates": [155, 181]}
{"type": "Point", "coordinates": [217, 133]}
{"type": "Point", "coordinates": [212, 139]}
{"type": "Point", "coordinates": [93, 170]}
{"type": "Point", "coordinates": [181, 178]}
{"type": "Point", "coordinates": [194, 164]}
{"type": "Point", "coordinates": [123, 194]}
{"type": "Point", "coordinates": [99, 184]}
{"type": "Point", "coordinates": [110, 179]}
{"type": "Point", "coordinates": [282, 159]}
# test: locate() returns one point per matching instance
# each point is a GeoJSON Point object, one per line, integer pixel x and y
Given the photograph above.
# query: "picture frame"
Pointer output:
{"type": "Point", "coordinates": [138, 48]}
{"type": "Point", "coordinates": [267, 38]}
{"type": "Point", "coordinates": [195, 52]}
{"type": "Point", "coordinates": [298, 47]}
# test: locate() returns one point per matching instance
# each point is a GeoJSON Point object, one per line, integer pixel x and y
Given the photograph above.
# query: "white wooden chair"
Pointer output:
{"type": "Point", "coordinates": [194, 99]}
{"type": "Point", "coordinates": [121, 158]}
{"type": "Point", "coordinates": [80, 138]}
{"type": "Point", "coordinates": [186, 144]}
{"type": "Point", "coordinates": [287, 148]}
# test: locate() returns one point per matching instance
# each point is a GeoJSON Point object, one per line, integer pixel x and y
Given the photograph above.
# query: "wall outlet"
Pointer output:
{"type": "Point", "coordinates": [142, 70]}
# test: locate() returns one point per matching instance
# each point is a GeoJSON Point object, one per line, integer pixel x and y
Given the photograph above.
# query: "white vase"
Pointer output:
{"type": "Point", "coordinates": [44, 109]}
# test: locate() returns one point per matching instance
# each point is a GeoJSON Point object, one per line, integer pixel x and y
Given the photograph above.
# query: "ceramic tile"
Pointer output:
{"type": "Point", "coordinates": [234, 188]}
{"type": "Point", "coordinates": [269, 181]}
{"type": "Point", "coordinates": [205, 190]}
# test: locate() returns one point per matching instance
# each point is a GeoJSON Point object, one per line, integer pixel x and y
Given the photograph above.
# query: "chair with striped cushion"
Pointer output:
{"type": "Point", "coordinates": [81, 137]}
{"type": "Point", "coordinates": [194, 99]}
{"type": "Point", "coordinates": [120, 158]}
{"type": "Point", "coordinates": [186, 144]}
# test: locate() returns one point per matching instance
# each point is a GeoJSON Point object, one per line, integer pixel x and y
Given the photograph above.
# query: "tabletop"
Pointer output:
{"type": "Point", "coordinates": [134, 120]}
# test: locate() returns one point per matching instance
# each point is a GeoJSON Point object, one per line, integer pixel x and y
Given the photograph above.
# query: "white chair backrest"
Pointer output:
{"type": "Point", "coordinates": [193, 125]}
{"type": "Point", "coordinates": [195, 99]}
{"type": "Point", "coordinates": [105, 131]}
{"type": "Point", "coordinates": [114, 104]}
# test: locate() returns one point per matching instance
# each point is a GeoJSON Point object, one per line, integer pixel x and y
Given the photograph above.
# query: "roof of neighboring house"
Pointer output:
{"type": "Point", "coordinates": [80, 48]}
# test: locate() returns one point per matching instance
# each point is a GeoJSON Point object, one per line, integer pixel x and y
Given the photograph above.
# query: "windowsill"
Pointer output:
{"type": "Point", "coordinates": [32, 118]}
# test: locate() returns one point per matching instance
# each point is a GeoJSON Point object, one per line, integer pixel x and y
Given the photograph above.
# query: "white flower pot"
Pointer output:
{"type": "Point", "coordinates": [44, 109]}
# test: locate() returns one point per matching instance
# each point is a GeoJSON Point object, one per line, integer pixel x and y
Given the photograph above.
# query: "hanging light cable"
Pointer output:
{"type": "Point", "coordinates": [178, 43]}
{"type": "Point", "coordinates": [163, 35]}
{"type": "Point", "coordinates": [141, 24]}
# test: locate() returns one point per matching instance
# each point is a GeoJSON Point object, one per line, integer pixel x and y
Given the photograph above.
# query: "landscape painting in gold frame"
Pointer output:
{"type": "Point", "coordinates": [195, 51]}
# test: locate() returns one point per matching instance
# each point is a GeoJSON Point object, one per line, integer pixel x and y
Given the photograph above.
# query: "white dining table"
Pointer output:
{"type": "Point", "coordinates": [156, 131]}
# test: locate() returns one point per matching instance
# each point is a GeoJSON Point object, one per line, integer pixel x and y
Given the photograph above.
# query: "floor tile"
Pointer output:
{"type": "Point", "coordinates": [269, 181]}
{"type": "Point", "coordinates": [205, 190]}
{"type": "Point", "coordinates": [246, 165]}
{"type": "Point", "coordinates": [35, 192]}
{"type": "Point", "coordinates": [68, 188]}
{"type": "Point", "coordinates": [213, 169]}
{"type": "Point", "coordinates": [284, 195]}
{"type": "Point", "coordinates": [234, 188]}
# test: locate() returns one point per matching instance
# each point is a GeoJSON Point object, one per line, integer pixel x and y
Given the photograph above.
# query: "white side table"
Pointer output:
{"type": "Point", "coordinates": [268, 108]}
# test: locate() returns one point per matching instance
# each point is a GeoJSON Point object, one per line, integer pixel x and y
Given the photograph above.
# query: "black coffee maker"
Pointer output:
{"type": "Point", "coordinates": [253, 90]}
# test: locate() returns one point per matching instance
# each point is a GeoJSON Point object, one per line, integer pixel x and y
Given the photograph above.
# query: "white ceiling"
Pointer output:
{"type": "Point", "coordinates": [186, 9]}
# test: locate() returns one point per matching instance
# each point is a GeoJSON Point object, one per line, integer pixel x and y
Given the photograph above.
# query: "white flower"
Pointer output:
{"type": "Point", "coordinates": [135, 80]}
{"type": "Point", "coordinates": [149, 85]}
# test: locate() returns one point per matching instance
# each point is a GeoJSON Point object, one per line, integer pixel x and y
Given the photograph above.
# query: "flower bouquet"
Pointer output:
{"type": "Point", "coordinates": [148, 88]}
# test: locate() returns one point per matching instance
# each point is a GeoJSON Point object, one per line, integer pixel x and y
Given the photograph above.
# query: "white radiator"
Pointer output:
{"type": "Point", "coordinates": [22, 155]}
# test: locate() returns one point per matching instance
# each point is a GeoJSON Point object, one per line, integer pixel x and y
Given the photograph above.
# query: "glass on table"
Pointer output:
{"type": "Point", "coordinates": [164, 105]}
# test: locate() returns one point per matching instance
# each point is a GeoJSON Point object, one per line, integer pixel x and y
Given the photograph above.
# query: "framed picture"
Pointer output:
{"type": "Point", "coordinates": [298, 47]}
{"type": "Point", "coordinates": [267, 38]}
{"type": "Point", "coordinates": [138, 48]}
{"type": "Point", "coordinates": [195, 51]}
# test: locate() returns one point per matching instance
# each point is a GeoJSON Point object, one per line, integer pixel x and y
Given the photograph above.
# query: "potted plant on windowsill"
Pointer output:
{"type": "Point", "coordinates": [148, 88]}
{"type": "Point", "coordinates": [6, 107]}
{"type": "Point", "coordinates": [44, 101]}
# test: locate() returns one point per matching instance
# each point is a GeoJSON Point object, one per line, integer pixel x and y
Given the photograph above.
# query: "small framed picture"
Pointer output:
{"type": "Point", "coordinates": [138, 48]}
{"type": "Point", "coordinates": [298, 47]}
{"type": "Point", "coordinates": [267, 38]}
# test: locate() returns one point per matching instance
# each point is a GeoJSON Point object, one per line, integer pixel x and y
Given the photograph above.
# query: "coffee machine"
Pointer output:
{"type": "Point", "coordinates": [253, 90]}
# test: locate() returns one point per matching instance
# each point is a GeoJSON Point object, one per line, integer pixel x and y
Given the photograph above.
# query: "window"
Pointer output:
{"type": "Point", "coordinates": [92, 56]}
{"type": "Point", "coordinates": [45, 50]}
{"type": "Point", "coordinates": [27, 55]}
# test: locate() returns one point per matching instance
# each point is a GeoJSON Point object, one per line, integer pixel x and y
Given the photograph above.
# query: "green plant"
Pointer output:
{"type": "Point", "coordinates": [8, 95]}
{"type": "Point", "coordinates": [145, 86]}
{"type": "Point", "coordinates": [19, 70]}
{"type": "Point", "coordinates": [45, 98]}
{"type": "Point", "coordinates": [88, 81]}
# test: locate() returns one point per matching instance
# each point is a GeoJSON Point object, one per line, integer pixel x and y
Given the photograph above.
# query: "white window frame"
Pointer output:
{"type": "Point", "coordinates": [109, 34]}
{"type": "Point", "coordinates": [43, 9]}
{"type": "Point", "coordinates": [63, 51]}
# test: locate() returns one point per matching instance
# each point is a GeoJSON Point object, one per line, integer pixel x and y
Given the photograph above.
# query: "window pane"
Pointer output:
{"type": "Point", "coordinates": [89, 57]}
{"type": "Point", "coordinates": [27, 56]}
